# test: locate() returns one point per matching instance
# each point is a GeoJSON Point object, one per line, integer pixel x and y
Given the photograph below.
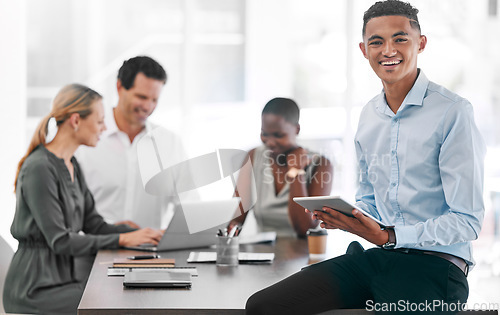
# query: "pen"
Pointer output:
{"type": "Point", "coordinates": [231, 234]}
{"type": "Point", "coordinates": [233, 230]}
{"type": "Point", "coordinates": [143, 257]}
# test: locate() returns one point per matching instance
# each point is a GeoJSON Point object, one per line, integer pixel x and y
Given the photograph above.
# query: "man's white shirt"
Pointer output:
{"type": "Point", "coordinates": [112, 173]}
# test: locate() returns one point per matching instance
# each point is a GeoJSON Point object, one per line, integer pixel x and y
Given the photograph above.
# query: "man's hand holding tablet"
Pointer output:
{"type": "Point", "coordinates": [336, 213]}
{"type": "Point", "coordinates": [335, 203]}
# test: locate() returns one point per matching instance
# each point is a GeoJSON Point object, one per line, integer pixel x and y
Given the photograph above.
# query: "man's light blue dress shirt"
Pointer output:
{"type": "Point", "coordinates": [422, 170]}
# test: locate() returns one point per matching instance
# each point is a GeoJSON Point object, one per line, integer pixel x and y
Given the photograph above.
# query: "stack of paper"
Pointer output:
{"type": "Point", "coordinates": [248, 258]}
{"type": "Point", "coordinates": [263, 237]}
{"type": "Point", "coordinates": [144, 263]}
{"type": "Point", "coordinates": [120, 271]}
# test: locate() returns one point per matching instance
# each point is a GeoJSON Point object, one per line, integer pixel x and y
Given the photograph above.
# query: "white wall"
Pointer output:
{"type": "Point", "coordinates": [12, 106]}
{"type": "Point", "coordinates": [268, 56]}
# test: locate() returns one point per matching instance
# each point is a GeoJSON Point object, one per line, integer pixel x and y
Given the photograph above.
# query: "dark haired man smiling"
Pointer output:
{"type": "Point", "coordinates": [112, 168]}
{"type": "Point", "coordinates": [429, 196]}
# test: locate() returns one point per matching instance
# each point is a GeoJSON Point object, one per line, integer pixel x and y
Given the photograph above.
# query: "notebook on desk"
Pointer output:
{"type": "Point", "coordinates": [144, 263]}
{"type": "Point", "coordinates": [157, 279]}
{"type": "Point", "coordinates": [177, 235]}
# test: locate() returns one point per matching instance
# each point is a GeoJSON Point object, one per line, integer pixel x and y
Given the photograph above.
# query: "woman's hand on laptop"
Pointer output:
{"type": "Point", "coordinates": [139, 237]}
{"type": "Point", "coordinates": [132, 224]}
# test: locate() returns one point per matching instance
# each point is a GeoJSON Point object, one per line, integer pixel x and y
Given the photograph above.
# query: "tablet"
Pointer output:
{"type": "Point", "coordinates": [334, 202]}
{"type": "Point", "coordinates": [157, 279]}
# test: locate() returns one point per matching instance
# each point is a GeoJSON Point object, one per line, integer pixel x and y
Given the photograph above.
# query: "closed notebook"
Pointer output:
{"type": "Point", "coordinates": [157, 279]}
{"type": "Point", "coordinates": [155, 262]}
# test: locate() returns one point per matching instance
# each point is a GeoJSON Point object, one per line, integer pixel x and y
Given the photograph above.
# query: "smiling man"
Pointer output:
{"type": "Point", "coordinates": [112, 169]}
{"type": "Point", "coordinates": [427, 192]}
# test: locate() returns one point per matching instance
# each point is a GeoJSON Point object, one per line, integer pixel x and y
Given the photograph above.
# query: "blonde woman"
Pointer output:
{"type": "Point", "coordinates": [54, 205]}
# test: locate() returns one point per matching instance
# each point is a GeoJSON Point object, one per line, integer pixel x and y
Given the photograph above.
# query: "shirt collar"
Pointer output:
{"type": "Point", "coordinates": [414, 97]}
{"type": "Point", "coordinates": [417, 92]}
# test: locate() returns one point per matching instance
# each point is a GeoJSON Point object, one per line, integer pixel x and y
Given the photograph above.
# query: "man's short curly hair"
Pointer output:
{"type": "Point", "coordinates": [140, 64]}
{"type": "Point", "coordinates": [392, 7]}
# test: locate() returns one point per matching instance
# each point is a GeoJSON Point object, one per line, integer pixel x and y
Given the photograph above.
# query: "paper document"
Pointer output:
{"type": "Point", "coordinates": [264, 237]}
{"type": "Point", "coordinates": [118, 271]}
{"type": "Point", "coordinates": [242, 257]}
{"type": "Point", "coordinates": [156, 262]}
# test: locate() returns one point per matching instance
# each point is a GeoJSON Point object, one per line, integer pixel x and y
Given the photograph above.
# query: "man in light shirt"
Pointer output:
{"type": "Point", "coordinates": [421, 162]}
{"type": "Point", "coordinates": [112, 168]}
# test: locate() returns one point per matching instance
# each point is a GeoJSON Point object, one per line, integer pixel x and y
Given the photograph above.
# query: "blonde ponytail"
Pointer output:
{"type": "Point", "coordinates": [73, 98]}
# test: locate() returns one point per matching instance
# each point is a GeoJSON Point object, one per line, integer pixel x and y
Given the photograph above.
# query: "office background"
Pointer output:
{"type": "Point", "coordinates": [226, 58]}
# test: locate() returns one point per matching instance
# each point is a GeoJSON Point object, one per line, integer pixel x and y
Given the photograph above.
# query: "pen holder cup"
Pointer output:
{"type": "Point", "coordinates": [316, 241]}
{"type": "Point", "coordinates": [227, 250]}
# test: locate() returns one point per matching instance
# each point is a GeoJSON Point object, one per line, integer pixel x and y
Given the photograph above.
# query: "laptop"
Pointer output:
{"type": "Point", "coordinates": [157, 279]}
{"type": "Point", "coordinates": [205, 218]}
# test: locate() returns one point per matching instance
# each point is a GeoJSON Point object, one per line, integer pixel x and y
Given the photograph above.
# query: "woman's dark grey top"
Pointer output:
{"type": "Point", "coordinates": [51, 211]}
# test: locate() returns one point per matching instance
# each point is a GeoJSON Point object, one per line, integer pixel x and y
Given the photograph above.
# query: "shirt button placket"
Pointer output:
{"type": "Point", "coordinates": [394, 163]}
